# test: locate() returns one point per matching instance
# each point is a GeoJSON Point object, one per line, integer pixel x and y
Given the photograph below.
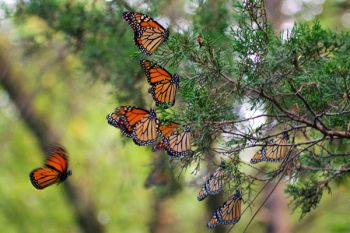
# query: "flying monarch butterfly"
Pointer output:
{"type": "Point", "coordinates": [272, 152]}
{"type": "Point", "coordinates": [228, 213]}
{"type": "Point", "coordinates": [148, 34]}
{"type": "Point", "coordinates": [137, 123]}
{"type": "Point", "coordinates": [163, 84]}
{"type": "Point", "coordinates": [214, 184]}
{"type": "Point", "coordinates": [176, 142]}
{"type": "Point", "coordinates": [55, 170]}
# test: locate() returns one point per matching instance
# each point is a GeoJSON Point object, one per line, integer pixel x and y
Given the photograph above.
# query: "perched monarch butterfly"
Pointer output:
{"type": "Point", "coordinates": [214, 184]}
{"type": "Point", "coordinates": [55, 170]}
{"type": "Point", "coordinates": [272, 152]}
{"type": "Point", "coordinates": [177, 143]}
{"type": "Point", "coordinates": [137, 123]}
{"type": "Point", "coordinates": [163, 84]}
{"type": "Point", "coordinates": [148, 34]}
{"type": "Point", "coordinates": [228, 213]}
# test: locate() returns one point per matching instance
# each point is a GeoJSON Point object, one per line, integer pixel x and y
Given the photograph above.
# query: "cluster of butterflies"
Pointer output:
{"type": "Point", "coordinates": [145, 129]}
{"type": "Point", "coordinates": [230, 211]}
{"type": "Point", "coordinates": [142, 125]}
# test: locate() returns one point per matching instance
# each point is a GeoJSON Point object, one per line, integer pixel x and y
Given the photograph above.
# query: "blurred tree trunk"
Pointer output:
{"type": "Point", "coordinates": [163, 178]}
{"type": "Point", "coordinates": [274, 14]}
{"type": "Point", "coordinates": [164, 220]}
{"type": "Point", "coordinates": [46, 134]}
{"type": "Point", "coordinates": [277, 212]}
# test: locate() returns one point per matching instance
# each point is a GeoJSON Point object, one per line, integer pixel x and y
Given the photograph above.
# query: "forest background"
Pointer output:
{"type": "Point", "coordinates": [70, 64]}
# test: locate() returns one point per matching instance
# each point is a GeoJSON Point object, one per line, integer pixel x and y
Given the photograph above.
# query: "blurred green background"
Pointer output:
{"type": "Point", "coordinates": [74, 84]}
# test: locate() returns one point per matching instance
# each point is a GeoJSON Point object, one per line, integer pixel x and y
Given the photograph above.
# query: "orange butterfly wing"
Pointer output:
{"type": "Point", "coordinates": [57, 159]}
{"type": "Point", "coordinates": [146, 129]}
{"type": "Point", "coordinates": [168, 129]}
{"type": "Point", "coordinates": [163, 84]}
{"type": "Point", "coordinates": [179, 144]}
{"type": "Point", "coordinates": [148, 34]}
{"type": "Point", "coordinates": [230, 211]}
{"type": "Point", "coordinates": [44, 177]}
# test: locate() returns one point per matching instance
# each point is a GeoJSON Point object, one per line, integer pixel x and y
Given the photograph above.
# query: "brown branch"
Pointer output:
{"type": "Point", "coordinates": [336, 113]}
{"type": "Point", "coordinates": [250, 137]}
{"type": "Point", "coordinates": [246, 119]}
{"type": "Point", "coordinates": [46, 134]}
{"type": "Point", "coordinates": [332, 176]}
{"type": "Point", "coordinates": [313, 124]}
{"type": "Point", "coordinates": [307, 105]}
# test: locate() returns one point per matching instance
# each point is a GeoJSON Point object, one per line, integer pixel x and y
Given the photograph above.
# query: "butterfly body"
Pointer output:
{"type": "Point", "coordinates": [163, 85]}
{"type": "Point", "coordinates": [55, 170]}
{"type": "Point", "coordinates": [148, 33]}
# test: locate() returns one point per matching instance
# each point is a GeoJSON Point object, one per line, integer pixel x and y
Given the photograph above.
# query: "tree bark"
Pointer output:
{"type": "Point", "coordinates": [46, 134]}
{"type": "Point", "coordinates": [278, 217]}
{"type": "Point", "coordinates": [274, 14]}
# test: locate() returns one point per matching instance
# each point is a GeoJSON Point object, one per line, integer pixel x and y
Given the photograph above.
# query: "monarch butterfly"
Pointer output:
{"type": "Point", "coordinates": [55, 170]}
{"type": "Point", "coordinates": [137, 123]}
{"type": "Point", "coordinates": [228, 213]}
{"type": "Point", "coordinates": [272, 152]}
{"type": "Point", "coordinates": [163, 84]}
{"type": "Point", "coordinates": [177, 143]}
{"type": "Point", "coordinates": [214, 184]}
{"type": "Point", "coordinates": [148, 34]}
